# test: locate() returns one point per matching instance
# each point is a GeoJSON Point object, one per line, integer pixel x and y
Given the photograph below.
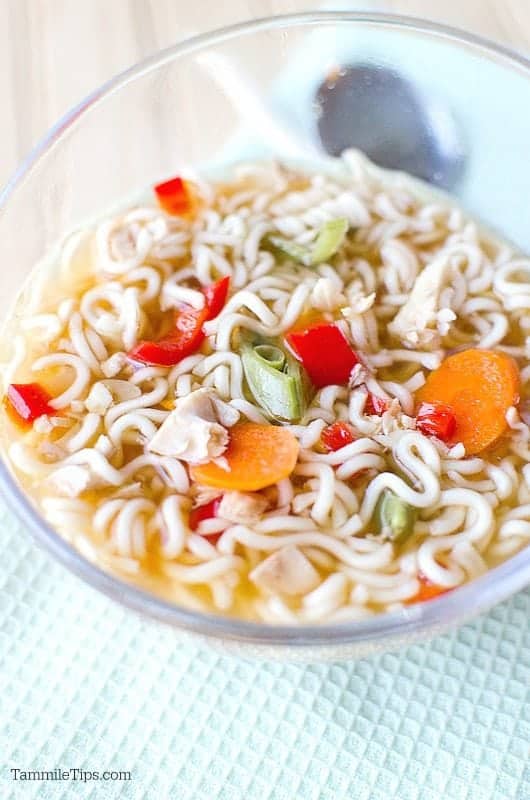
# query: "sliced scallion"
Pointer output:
{"type": "Point", "coordinates": [275, 381]}
{"type": "Point", "coordinates": [328, 241]}
{"type": "Point", "coordinates": [394, 518]}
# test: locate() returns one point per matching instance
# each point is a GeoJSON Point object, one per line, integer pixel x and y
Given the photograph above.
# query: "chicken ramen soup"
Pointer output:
{"type": "Point", "coordinates": [290, 396]}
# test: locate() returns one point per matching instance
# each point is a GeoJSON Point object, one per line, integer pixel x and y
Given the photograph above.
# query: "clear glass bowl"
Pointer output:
{"type": "Point", "coordinates": [247, 91]}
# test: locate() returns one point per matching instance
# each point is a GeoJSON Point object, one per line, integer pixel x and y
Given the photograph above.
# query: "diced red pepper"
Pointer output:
{"type": "Point", "coordinates": [375, 404]}
{"type": "Point", "coordinates": [188, 334]}
{"type": "Point", "coordinates": [27, 402]}
{"type": "Point", "coordinates": [184, 340]}
{"type": "Point", "coordinates": [337, 435]}
{"type": "Point", "coordinates": [174, 197]}
{"type": "Point", "coordinates": [325, 353]}
{"type": "Point", "coordinates": [427, 591]}
{"type": "Point", "coordinates": [436, 419]}
{"type": "Point", "coordinates": [216, 295]}
{"type": "Point", "coordinates": [208, 511]}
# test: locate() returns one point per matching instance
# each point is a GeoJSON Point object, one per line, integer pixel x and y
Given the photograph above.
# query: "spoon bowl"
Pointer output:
{"type": "Point", "coordinates": [376, 110]}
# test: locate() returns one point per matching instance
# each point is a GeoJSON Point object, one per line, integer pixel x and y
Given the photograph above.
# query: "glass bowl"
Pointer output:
{"type": "Point", "coordinates": [248, 91]}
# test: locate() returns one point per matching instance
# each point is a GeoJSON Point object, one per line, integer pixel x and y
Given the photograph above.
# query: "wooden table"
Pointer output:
{"type": "Point", "coordinates": [53, 52]}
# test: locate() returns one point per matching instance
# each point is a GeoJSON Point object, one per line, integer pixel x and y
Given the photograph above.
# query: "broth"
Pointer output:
{"type": "Point", "coordinates": [315, 544]}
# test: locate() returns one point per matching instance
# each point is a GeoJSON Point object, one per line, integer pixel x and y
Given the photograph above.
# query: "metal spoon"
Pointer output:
{"type": "Point", "coordinates": [381, 113]}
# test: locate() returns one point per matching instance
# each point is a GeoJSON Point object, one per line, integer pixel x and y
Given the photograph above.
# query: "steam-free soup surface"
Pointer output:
{"type": "Point", "coordinates": [291, 396]}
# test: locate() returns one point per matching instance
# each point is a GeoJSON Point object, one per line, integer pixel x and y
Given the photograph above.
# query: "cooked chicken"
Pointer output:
{"type": "Point", "coordinates": [113, 365]}
{"type": "Point", "coordinates": [122, 390]}
{"type": "Point", "coordinates": [195, 431]}
{"type": "Point", "coordinates": [416, 322]}
{"type": "Point", "coordinates": [358, 303]}
{"type": "Point", "coordinates": [327, 295]}
{"type": "Point", "coordinates": [227, 415]}
{"type": "Point", "coordinates": [202, 495]}
{"type": "Point", "coordinates": [99, 399]}
{"type": "Point", "coordinates": [287, 571]}
{"type": "Point", "coordinates": [242, 507]}
{"type": "Point", "coordinates": [106, 392]}
{"type": "Point", "coordinates": [71, 480]}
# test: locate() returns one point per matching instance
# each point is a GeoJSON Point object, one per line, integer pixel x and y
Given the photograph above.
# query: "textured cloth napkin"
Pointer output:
{"type": "Point", "coordinates": [87, 685]}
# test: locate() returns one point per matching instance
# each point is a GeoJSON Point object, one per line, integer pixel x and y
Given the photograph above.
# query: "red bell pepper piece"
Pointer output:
{"type": "Point", "coordinates": [375, 404]}
{"type": "Point", "coordinates": [173, 196]}
{"type": "Point", "coordinates": [436, 419]}
{"type": "Point", "coordinates": [26, 402]}
{"type": "Point", "coordinates": [188, 334]}
{"type": "Point", "coordinates": [208, 511]}
{"type": "Point", "coordinates": [427, 591]}
{"type": "Point", "coordinates": [337, 435]}
{"type": "Point", "coordinates": [184, 340]}
{"type": "Point", "coordinates": [216, 295]}
{"type": "Point", "coordinates": [325, 353]}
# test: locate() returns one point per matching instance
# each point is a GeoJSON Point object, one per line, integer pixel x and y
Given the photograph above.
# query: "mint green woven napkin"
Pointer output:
{"type": "Point", "coordinates": [86, 684]}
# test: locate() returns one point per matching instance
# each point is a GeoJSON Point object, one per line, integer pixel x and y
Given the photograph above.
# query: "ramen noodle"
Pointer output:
{"type": "Point", "coordinates": [289, 396]}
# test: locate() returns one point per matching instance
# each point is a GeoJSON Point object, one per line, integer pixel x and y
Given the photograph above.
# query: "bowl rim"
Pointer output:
{"type": "Point", "coordinates": [471, 598]}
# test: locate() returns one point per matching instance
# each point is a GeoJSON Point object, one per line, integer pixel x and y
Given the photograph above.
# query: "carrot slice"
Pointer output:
{"type": "Point", "coordinates": [479, 386]}
{"type": "Point", "coordinates": [257, 456]}
{"type": "Point", "coordinates": [427, 591]}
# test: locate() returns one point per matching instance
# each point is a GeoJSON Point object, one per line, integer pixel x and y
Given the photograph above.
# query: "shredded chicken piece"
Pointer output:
{"type": "Point", "coordinates": [227, 415]}
{"type": "Point", "coordinates": [71, 480]}
{"type": "Point", "coordinates": [327, 295]}
{"type": "Point", "coordinates": [287, 571]}
{"type": "Point", "coordinates": [392, 418]}
{"type": "Point", "coordinates": [105, 393]}
{"type": "Point", "coordinates": [416, 324]}
{"type": "Point", "coordinates": [114, 365]}
{"type": "Point", "coordinates": [99, 399]}
{"type": "Point", "coordinates": [195, 431]}
{"type": "Point", "coordinates": [202, 495]}
{"type": "Point", "coordinates": [42, 424]}
{"type": "Point", "coordinates": [358, 303]}
{"type": "Point", "coordinates": [242, 507]}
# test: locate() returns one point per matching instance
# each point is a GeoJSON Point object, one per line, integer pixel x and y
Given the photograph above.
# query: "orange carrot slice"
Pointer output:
{"type": "Point", "coordinates": [427, 591]}
{"type": "Point", "coordinates": [257, 456]}
{"type": "Point", "coordinates": [479, 386]}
